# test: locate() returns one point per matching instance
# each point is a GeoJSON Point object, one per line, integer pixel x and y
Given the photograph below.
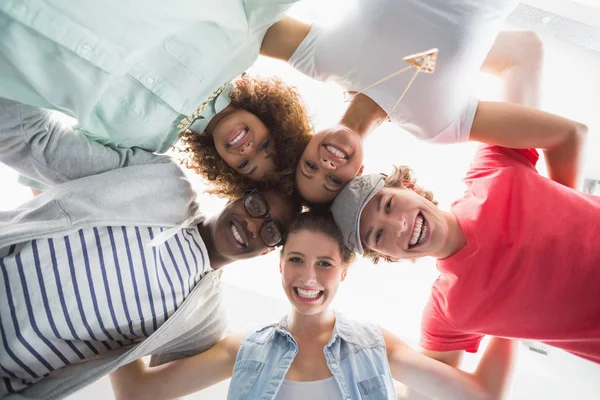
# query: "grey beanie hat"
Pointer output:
{"type": "Point", "coordinates": [349, 204]}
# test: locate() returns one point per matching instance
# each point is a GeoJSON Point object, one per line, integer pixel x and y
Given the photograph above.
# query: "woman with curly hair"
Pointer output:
{"type": "Point", "coordinates": [258, 134]}
{"type": "Point", "coordinates": [141, 73]}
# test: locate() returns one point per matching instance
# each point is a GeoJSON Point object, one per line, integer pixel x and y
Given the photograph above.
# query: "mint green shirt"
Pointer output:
{"type": "Point", "coordinates": [128, 71]}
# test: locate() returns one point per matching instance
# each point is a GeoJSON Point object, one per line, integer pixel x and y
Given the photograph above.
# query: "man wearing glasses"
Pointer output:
{"type": "Point", "coordinates": [112, 263]}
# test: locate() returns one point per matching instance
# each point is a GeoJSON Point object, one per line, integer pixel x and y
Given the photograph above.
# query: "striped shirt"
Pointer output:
{"type": "Point", "coordinates": [67, 299]}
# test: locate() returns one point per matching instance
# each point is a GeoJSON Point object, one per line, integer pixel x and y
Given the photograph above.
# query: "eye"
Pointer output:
{"type": "Point", "coordinates": [295, 260]}
{"type": "Point", "coordinates": [243, 164]}
{"type": "Point", "coordinates": [310, 165]}
{"type": "Point", "coordinates": [324, 264]}
{"type": "Point", "coordinates": [264, 146]}
{"type": "Point", "coordinates": [388, 206]}
{"type": "Point", "coordinates": [335, 180]}
{"type": "Point", "coordinates": [378, 236]}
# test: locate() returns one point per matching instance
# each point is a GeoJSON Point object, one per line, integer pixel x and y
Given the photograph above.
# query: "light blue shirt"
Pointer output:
{"type": "Point", "coordinates": [128, 71]}
{"type": "Point", "coordinates": [355, 354]}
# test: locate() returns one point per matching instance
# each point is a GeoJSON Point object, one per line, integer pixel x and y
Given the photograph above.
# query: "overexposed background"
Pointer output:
{"type": "Point", "coordinates": [393, 295]}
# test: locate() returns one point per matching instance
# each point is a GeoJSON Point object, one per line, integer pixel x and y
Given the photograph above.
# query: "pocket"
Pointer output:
{"type": "Point", "coordinates": [374, 389]}
{"type": "Point", "coordinates": [245, 374]}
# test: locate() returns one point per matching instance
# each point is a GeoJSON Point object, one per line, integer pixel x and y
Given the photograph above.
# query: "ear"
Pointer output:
{"type": "Point", "coordinates": [360, 171]}
{"type": "Point", "coordinates": [344, 275]}
{"type": "Point", "coordinates": [280, 266]}
{"type": "Point", "coordinates": [267, 251]}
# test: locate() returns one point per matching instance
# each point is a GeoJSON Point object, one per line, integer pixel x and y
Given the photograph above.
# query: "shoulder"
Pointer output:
{"type": "Point", "coordinates": [362, 334]}
{"type": "Point", "coordinates": [492, 156]}
{"type": "Point", "coordinates": [261, 335]}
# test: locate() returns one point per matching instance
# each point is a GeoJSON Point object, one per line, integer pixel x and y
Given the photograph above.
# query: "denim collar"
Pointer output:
{"type": "Point", "coordinates": [341, 329]}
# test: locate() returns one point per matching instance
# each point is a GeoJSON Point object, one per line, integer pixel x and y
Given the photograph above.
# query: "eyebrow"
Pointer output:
{"type": "Point", "coordinates": [296, 252]}
{"type": "Point", "coordinates": [370, 231]}
{"type": "Point", "coordinates": [368, 235]}
{"type": "Point", "coordinates": [307, 176]}
{"type": "Point", "coordinates": [379, 203]}
{"type": "Point", "coordinates": [251, 171]}
{"type": "Point", "coordinates": [330, 190]}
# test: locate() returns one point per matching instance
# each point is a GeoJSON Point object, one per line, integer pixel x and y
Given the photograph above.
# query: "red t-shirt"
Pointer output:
{"type": "Point", "coordinates": [531, 268]}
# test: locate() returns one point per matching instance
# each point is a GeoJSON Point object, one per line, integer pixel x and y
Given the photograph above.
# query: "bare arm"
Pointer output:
{"type": "Point", "coordinates": [438, 380]}
{"type": "Point", "coordinates": [518, 127]}
{"type": "Point", "coordinates": [283, 38]}
{"type": "Point", "coordinates": [189, 375]}
{"type": "Point", "coordinates": [517, 57]}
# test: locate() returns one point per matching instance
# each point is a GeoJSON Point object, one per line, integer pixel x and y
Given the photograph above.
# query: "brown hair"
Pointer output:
{"type": "Point", "coordinates": [402, 177]}
{"type": "Point", "coordinates": [281, 109]}
{"type": "Point", "coordinates": [322, 223]}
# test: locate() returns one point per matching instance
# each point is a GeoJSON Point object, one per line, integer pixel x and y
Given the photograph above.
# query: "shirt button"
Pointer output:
{"type": "Point", "coordinates": [149, 81]}
{"type": "Point", "coordinates": [333, 366]}
{"type": "Point", "coordinates": [86, 49]}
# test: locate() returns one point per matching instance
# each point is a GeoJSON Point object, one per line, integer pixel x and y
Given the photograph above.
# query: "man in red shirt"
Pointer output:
{"type": "Point", "coordinates": [518, 254]}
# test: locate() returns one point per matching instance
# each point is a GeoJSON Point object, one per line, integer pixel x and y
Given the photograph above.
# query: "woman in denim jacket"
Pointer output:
{"type": "Point", "coordinates": [313, 352]}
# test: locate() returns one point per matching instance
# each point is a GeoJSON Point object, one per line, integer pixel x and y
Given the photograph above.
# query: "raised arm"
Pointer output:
{"type": "Point", "coordinates": [177, 378]}
{"type": "Point", "coordinates": [519, 127]}
{"type": "Point", "coordinates": [283, 38]}
{"type": "Point", "coordinates": [46, 150]}
{"type": "Point", "coordinates": [437, 380]}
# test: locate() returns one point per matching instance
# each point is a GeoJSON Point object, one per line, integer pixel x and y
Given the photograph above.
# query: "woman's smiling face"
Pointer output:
{"type": "Point", "coordinates": [243, 141]}
{"type": "Point", "coordinates": [311, 270]}
{"type": "Point", "coordinates": [332, 158]}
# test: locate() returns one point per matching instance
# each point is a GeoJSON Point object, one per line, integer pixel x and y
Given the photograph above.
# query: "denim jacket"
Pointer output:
{"type": "Point", "coordinates": [355, 354]}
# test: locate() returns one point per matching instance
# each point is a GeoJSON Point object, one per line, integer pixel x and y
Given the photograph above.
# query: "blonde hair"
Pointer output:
{"type": "Point", "coordinates": [403, 178]}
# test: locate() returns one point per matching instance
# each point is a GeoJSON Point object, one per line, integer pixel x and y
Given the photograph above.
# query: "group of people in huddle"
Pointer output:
{"type": "Point", "coordinates": [114, 261]}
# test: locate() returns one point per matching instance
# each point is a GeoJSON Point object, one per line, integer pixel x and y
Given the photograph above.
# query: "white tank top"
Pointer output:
{"type": "Point", "coordinates": [325, 389]}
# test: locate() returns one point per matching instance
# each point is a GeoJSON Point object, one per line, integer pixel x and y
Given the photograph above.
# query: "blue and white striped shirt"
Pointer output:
{"type": "Point", "coordinates": [107, 289]}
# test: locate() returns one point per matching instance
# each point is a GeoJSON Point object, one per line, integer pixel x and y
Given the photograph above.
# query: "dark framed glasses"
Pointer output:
{"type": "Point", "coordinates": [271, 231]}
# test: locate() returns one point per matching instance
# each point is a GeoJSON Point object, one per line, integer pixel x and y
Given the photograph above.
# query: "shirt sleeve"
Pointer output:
{"type": "Point", "coordinates": [493, 157]}
{"type": "Point", "coordinates": [42, 148]}
{"type": "Point", "coordinates": [437, 334]}
{"type": "Point", "coordinates": [304, 58]}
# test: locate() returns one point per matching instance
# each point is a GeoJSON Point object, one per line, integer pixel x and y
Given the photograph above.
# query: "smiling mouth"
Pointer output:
{"type": "Point", "coordinates": [308, 295]}
{"type": "Point", "coordinates": [237, 138]}
{"type": "Point", "coordinates": [336, 151]}
{"type": "Point", "coordinates": [237, 236]}
{"type": "Point", "coordinates": [419, 231]}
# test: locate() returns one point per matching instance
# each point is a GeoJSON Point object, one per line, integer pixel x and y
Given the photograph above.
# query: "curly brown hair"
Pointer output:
{"type": "Point", "coordinates": [281, 109]}
{"type": "Point", "coordinates": [402, 177]}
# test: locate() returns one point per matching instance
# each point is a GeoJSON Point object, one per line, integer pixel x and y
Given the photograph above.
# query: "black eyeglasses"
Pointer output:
{"type": "Point", "coordinates": [257, 207]}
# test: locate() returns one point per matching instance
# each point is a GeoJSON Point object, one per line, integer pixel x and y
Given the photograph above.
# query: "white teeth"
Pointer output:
{"type": "Point", "coordinates": [419, 231]}
{"type": "Point", "coordinates": [336, 152]}
{"type": "Point", "coordinates": [237, 235]}
{"type": "Point", "coordinates": [238, 137]}
{"type": "Point", "coordinates": [309, 294]}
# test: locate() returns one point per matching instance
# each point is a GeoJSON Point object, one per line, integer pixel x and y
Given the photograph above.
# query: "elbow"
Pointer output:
{"type": "Point", "coordinates": [581, 130]}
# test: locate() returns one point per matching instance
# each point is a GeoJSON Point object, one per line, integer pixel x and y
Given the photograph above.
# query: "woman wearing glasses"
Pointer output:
{"type": "Point", "coordinates": [313, 352]}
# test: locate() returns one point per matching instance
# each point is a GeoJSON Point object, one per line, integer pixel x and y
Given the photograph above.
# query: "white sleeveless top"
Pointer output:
{"type": "Point", "coordinates": [325, 389]}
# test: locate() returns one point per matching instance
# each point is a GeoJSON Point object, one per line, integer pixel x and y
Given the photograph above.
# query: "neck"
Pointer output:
{"type": "Point", "coordinates": [363, 115]}
{"type": "Point", "coordinates": [217, 260]}
{"type": "Point", "coordinates": [456, 237]}
{"type": "Point", "coordinates": [315, 324]}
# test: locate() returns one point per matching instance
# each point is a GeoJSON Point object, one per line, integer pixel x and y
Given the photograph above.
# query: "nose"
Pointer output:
{"type": "Point", "coordinates": [327, 164]}
{"type": "Point", "coordinates": [248, 148]}
{"type": "Point", "coordinates": [308, 276]}
{"type": "Point", "coordinates": [252, 227]}
{"type": "Point", "coordinates": [400, 227]}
